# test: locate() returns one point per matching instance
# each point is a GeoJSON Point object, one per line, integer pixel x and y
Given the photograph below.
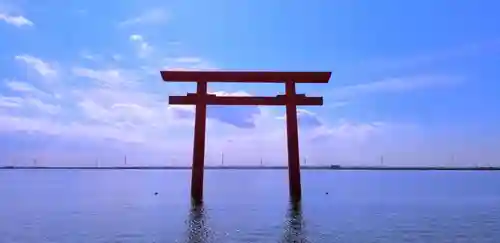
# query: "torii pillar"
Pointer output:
{"type": "Point", "coordinates": [292, 134]}
{"type": "Point", "coordinates": [201, 99]}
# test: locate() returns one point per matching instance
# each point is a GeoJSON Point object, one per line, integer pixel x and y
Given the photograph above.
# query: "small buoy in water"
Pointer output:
{"type": "Point", "coordinates": [156, 193]}
{"type": "Point", "coordinates": [326, 193]}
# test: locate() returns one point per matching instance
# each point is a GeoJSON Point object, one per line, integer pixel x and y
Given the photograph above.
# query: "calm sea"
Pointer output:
{"type": "Point", "coordinates": [249, 206]}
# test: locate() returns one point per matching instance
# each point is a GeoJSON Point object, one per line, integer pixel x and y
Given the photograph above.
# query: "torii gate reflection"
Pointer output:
{"type": "Point", "coordinates": [201, 99]}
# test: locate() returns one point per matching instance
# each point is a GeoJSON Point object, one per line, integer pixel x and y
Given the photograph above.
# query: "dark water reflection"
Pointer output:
{"type": "Point", "coordinates": [294, 225]}
{"type": "Point", "coordinates": [198, 228]}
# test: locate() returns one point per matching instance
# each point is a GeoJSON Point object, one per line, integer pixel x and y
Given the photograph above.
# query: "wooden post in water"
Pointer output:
{"type": "Point", "coordinates": [199, 143]}
{"type": "Point", "coordinates": [292, 133]}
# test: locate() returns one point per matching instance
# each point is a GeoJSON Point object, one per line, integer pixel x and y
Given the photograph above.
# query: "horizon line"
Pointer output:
{"type": "Point", "coordinates": [251, 167]}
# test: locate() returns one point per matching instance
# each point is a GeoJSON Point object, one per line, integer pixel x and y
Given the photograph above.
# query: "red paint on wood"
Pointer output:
{"type": "Point", "coordinates": [293, 144]}
{"type": "Point", "coordinates": [199, 147]}
{"type": "Point", "coordinates": [246, 76]}
{"type": "Point", "coordinates": [254, 100]}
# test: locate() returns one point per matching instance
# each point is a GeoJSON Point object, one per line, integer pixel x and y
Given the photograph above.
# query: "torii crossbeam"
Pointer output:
{"type": "Point", "coordinates": [201, 99]}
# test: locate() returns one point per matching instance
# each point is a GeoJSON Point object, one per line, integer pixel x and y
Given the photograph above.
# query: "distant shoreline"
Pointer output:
{"type": "Point", "coordinates": [249, 168]}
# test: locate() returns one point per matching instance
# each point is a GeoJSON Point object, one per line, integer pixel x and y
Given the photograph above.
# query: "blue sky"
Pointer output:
{"type": "Point", "coordinates": [415, 82]}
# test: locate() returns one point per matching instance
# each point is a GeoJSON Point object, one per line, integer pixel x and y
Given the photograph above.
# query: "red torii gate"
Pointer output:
{"type": "Point", "coordinates": [201, 99]}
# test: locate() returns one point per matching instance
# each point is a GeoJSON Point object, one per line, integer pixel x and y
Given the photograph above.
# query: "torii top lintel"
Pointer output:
{"type": "Point", "coordinates": [246, 76]}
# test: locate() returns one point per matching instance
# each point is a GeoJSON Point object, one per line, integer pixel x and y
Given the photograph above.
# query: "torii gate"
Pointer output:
{"type": "Point", "coordinates": [201, 99]}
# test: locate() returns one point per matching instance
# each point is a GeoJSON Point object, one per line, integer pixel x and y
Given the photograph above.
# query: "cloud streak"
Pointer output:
{"type": "Point", "coordinates": [107, 77]}
{"type": "Point", "coordinates": [150, 17]}
{"type": "Point", "coordinates": [467, 50]}
{"type": "Point", "coordinates": [43, 68]}
{"type": "Point", "coordinates": [15, 103]}
{"type": "Point", "coordinates": [26, 88]}
{"type": "Point", "coordinates": [188, 63]}
{"type": "Point", "coordinates": [18, 21]}
{"type": "Point", "coordinates": [395, 85]}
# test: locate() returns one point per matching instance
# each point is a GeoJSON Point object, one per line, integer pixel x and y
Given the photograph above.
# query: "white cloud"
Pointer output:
{"type": "Point", "coordinates": [107, 77]}
{"type": "Point", "coordinates": [186, 60]}
{"type": "Point", "coordinates": [349, 130]}
{"type": "Point", "coordinates": [10, 102]}
{"type": "Point", "coordinates": [25, 88]}
{"type": "Point", "coordinates": [188, 63]}
{"type": "Point", "coordinates": [117, 57]}
{"type": "Point", "coordinates": [94, 111]}
{"type": "Point", "coordinates": [101, 113]}
{"type": "Point", "coordinates": [18, 21]}
{"type": "Point", "coordinates": [20, 86]}
{"type": "Point", "coordinates": [136, 37]}
{"type": "Point", "coordinates": [27, 103]}
{"type": "Point", "coordinates": [114, 96]}
{"type": "Point", "coordinates": [224, 93]}
{"type": "Point", "coordinates": [72, 130]}
{"type": "Point", "coordinates": [144, 48]}
{"type": "Point", "coordinates": [182, 111]}
{"type": "Point", "coordinates": [42, 106]}
{"type": "Point", "coordinates": [128, 108]}
{"type": "Point", "coordinates": [89, 56]}
{"type": "Point", "coordinates": [43, 68]}
{"type": "Point", "coordinates": [336, 104]}
{"type": "Point", "coordinates": [306, 119]}
{"type": "Point", "coordinates": [150, 17]}
{"type": "Point", "coordinates": [131, 113]}
{"type": "Point", "coordinates": [241, 117]}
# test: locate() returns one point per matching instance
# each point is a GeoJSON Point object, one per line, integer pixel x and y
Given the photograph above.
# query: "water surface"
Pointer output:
{"type": "Point", "coordinates": [249, 206]}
